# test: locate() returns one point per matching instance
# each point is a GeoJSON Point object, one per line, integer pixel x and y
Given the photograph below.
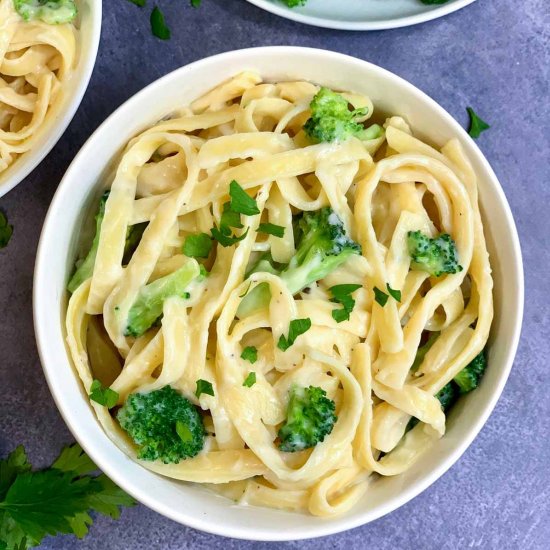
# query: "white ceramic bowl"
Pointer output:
{"type": "Point", "coordinates": [80, 188]}
{"type": "Point", "coordinates": [89, 22]}
{"type": "Point", "coordinates": [362, 15]}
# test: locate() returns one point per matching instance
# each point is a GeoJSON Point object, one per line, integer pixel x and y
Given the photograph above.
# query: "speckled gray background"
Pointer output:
{"type": "Point", "coordinates": [493, 55]}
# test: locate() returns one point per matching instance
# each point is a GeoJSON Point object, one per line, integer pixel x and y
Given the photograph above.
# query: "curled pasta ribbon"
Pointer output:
{"type": "Point", "coordinates": [36, 61]}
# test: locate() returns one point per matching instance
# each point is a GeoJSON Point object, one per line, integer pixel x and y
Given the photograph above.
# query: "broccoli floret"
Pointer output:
{"type": "Point", "coordinates": [436, 256]}
{"type": "Point", "coordinates": [52, 12]}
{"type": "Point", "coordinates": [331, 119]}
{"type": "Point", "coordinates": [133, 238]}
{"type": "Point", "coordinates": [148, 305]}
{"type": "Point", "coordinates": [469, 377]}
{"type": "Point", "coordinates": [163, 424]}
{"type": "Point", "coordinates": [322, 246]}
{"type": "Point", "coordinates": [85, 268]}
{"type": "Point", "coordinates": [310, 417]}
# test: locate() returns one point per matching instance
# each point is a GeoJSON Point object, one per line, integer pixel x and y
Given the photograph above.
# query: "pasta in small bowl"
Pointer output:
{"type": "Point", "coordinates": [279, 290]}
{"type": "Point", "coordinates": [47, 53]}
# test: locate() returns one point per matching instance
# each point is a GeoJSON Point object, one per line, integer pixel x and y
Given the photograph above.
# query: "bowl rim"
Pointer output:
{"type": "Point", "coordinates": [87, 61]}
{"type": "Point", "coordinates": [392, 23]}
{"type": "Point", "coordinates": [109, 466]}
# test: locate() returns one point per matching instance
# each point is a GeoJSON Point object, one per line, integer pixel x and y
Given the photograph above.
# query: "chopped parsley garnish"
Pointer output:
{"type": "Point", "coordinates": [395, 294]}
{"type": "Point", "coordinates": [55, 500]}
{"type": "Point", "coordinates": [104, 396]}
{"type": "Point", "coordinates": [250, 380]}
{"type": "Point", "coordinates": [295, 329]}
{"type": "Point", "coordinates": [341, 294]}
{"type": "Point", "coordinates": [195, 3]}
{"type": "Point", "coordinates": [140, 3]}
{"type": "Point", "coordinates": [241, 201]}
{"type": "Point", "coordinates": [230, 218]}
{"type": "Point", "coordinates": [380, 297]}
{"type": "Point", "coordinates": [477, 125]}
{"type": "Point", "coordinates": [6, 230]}
{"type": "Point", "coordinates": [227, 240]}
{"type": "Point", "coordinates": [203, 386]}
{"type": "Point", "coordinates": [250, 353]}
{"type": "Point", "coordinates": [197, 246]}
{"type": "Point", "coordinates": [271, 229]}
{"type": "Point", "coordinates": [158, 25]}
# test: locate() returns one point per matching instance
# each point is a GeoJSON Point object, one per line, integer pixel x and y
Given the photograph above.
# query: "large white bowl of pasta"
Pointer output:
{"type": "Point", "coordinates": [47, 54]}
{"type": "Point", "coordinates": [283, 302]}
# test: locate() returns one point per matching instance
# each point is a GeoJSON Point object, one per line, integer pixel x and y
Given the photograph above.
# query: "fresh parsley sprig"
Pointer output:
{"type": "Point", "coordinates": [55, 500]}
{"type": "Point", "coordinates": [341, 294]}
{"type": "Point", "coordinates": [477, 125]}
{"type": "Point", "coordinates": [204, 386]}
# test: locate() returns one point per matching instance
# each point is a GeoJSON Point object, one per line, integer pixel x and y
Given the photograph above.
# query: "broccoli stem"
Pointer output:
{"type": "Point", "coordinates": [86, 267]}
{"type": "Point", "coordinates": [148, 305]}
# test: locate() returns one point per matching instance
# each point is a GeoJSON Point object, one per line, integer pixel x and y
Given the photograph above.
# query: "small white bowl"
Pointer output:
{"type": "Point", "coordinates": [89, 22]}
{"type": "Point", "coordinates": [362, 15]}
{"type": "Point", "coordinates": [191, 504]}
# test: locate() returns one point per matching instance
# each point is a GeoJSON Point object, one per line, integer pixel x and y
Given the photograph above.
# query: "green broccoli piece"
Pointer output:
{"type": "Point", "coordinates": [85, 268]}
{"type": "Point", "coordinates": [435, 256]}
{"type": "Point", "coordinates": [321, 246]}
{"type": "Point", "coordinates": [310, 417]}
{"type": "Point", "coordinates": [331, 119]}
{"type": "Point", "coordinates": [163, 424]}
{"type": "Point", "coordinates": [148, 305]}
{"type": "Point", "coordinates": [469, 377]}
{"type": "Point", "coordinates": [52, 12]}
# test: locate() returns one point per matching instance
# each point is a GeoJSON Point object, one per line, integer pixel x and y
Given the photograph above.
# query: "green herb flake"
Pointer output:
{"type": "Point", "coordinates": [241, 201]}
{"type": "Point", "coordinates": [230, 218]}
{"type": "Point", "coordinates": [203, 386]}
{"type": "Point", "coordinates": [250, 353]}
{"type": "Point", "coordinates": [195, 3]}
{"type": "Point", "coordinates": [380, 297]}
{"type": "Point", "coordinates": [6, 230]}
{"type": "Point", "coordinates": [341, 294]}
{"type": "Point", "coordinates": [271, 229]}
{"type": "Point", "coordinates": [395, 294]}
{"type": "Point", "coordinates": [295, 329]}
{"type": "Point", "coordinates": [183, 431]}
{"type": "Point", "coordinates": [477, 125]}
{"type": "Point", "coordinates": [140, 3]}
{"type": "Point", "coordinates": [227, 240]}
{"type": "Point", "coordinates": [250, 380]}
{"type": "Point", "coordinates": [158, 25]}
{"type": "Point", "coordinates": [104, 396]}
{"type": "Point", "coordinates": [197, 246]}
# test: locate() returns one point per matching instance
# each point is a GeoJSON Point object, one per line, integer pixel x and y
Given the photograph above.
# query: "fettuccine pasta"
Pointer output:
{"type": "Point", "coordinates": [36, 61]}
{"type": "Point", "coordinates": [378, 380]}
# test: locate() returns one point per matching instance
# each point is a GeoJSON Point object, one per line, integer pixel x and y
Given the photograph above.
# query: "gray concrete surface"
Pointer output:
{"type": "Point", "coordinates": [493, 55]}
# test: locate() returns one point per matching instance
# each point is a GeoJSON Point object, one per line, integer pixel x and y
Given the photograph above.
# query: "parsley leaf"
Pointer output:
{"type": "Point", "coordinates": [195, 3]}
{"type": "Point", "coordinates": [16, 463]}
{"type": "Point", "coordinates": [295, 329]}
{"type": "Point", "coordinates": [197, 246]}
{"type": "Point", "coordinates": [203, 386]}
{"type": "Point", "coordinates": [271, 229]}
{"type": "Point", "coordinates": [395, 294]}
{"type": "Point", "coordinates": [74, 459]}
{"type": "Point", "coordinates": [241, 201]}
{"type": "Point", "coordinates": [6, 230]}
{"type": "Point", "coordinates": [230, 218]}
{"type": "Point", "coordinates": [341, 294]}
{"type": "Point", "coordinates": [250, 353]}
{"type": "Point", "coordinates": [250, 380]}
{"type": "Point", "coordinates": [183, 431]}
{"type": "Point", "coordinates": [104, 396]}
{"type": "Point", "coordinates": [380, 297]}
{"type": "Point", "coordinates": [139, 3]}
{"type": "Point", "coordinates": [227, 240]}
{"type": "Point", "coordinates": [54, 500]}
{"type": "Point", "coordinates": [477, 125]}
{"type": "Point", "coordinates": [158, 25]}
